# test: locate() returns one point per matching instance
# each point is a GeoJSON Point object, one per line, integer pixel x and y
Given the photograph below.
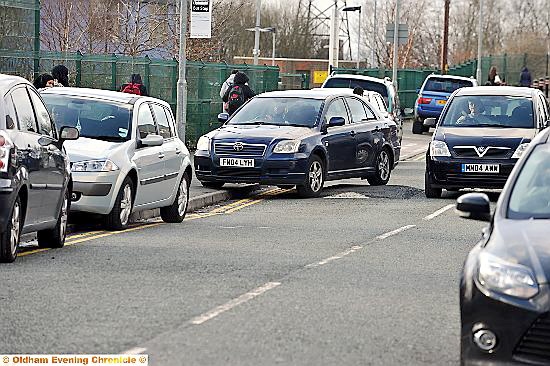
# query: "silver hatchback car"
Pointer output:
{"type": "Point", "coordinates": [129, 156]}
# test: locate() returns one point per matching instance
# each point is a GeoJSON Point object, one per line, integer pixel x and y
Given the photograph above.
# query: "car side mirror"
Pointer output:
{"type": "Point", "coordinates": [69, 133]}
{"type": "Point", "coordinates": [336, 121]}
{"type": "Point", "coordinates": [223, 117]}
{"type": "Point", "coordinates": [430, 122]}
{"type": "Point", "coordinates": [152, 140]}
{"type": "Point", "coordinates": [474, 206]}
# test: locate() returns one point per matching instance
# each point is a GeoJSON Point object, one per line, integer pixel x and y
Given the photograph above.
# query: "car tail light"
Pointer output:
{"type": "Point", "coordinates": [423, 100]}
{"type": "Point", "coordinates": [5, 148]}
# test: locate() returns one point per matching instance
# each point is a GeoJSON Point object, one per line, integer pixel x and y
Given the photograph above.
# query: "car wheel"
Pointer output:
{"type": "Point", "coordinates": [176, 211]}
{"type": "Point", "coordinates": [315, 178]}
{"type": "Point", "coordinates": [429, 190]}
{"type": "Point", "coordinates": [383, 169]}
{"type": "Point", "coordinates": [417, 127]}
{"type": "Point", "coordinates": [55, 238]}
{"type": "Point", "coordinates": [212, 185]}
{"type": "Point", "coordinates": [9, 239]}
{"type": "Point", "coordinates": [119, 217]}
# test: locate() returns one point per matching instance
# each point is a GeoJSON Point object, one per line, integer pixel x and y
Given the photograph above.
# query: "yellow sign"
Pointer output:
{"type": "Point", "coordinates": [319, 77]}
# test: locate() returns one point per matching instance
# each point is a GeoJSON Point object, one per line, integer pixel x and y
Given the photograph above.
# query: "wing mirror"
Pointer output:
{"type": "Point", "coordinates": [474, 206]}
{"type": "Point", "coordinates": [66, 133]}
{"type": "Point", "coordinates": [430, 122]}
{"type": "Point", "coordinates": [223, 117]}
{"type": "Point", "coordinates": [152, 140]}
{"type": "Point", "coordinates": [336, 121]}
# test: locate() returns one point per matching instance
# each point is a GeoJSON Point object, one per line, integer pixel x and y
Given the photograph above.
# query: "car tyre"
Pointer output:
{"type": "Point", "coordinates": [383, 169]}
{"type": "Point", "coordinates": [119, 217]}
{"type": "Point", "coordinates": [315, 178]}
{"type": "Point", "coordinates": [9, 239]}
{"type": "Point", "coordinates": [55, 237]}
{"type": "Point", "coordinates": [417, 127]}
{"type": "Point", "coordinates": [212, 185]}
{"type": "Point", "coordinates": [175, 213]}
{"type": "Point", "coordinates": [429, 190]}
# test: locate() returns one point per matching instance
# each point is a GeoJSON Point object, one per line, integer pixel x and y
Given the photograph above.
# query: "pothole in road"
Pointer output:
{"type": "Point", "coordinates": [364, 191]}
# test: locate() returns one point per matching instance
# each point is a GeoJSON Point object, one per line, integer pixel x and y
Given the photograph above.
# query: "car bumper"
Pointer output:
{"type": "Point", "coordinates": [511, 324]}
{"type": "Point", "coordinates": [94, 192]}
{"type": "Point", "coordinates": [276, 170]}
{"type": "Point", "coordinates": [428, 113]}
{"type": "Point", "coordinates": [447, 173]}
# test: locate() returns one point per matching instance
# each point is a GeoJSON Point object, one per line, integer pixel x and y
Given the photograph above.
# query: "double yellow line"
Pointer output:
{"type": "Point", "coordinates": [222, 210]}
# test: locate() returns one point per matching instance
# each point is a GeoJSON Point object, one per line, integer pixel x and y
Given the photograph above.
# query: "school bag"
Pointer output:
{"type": "Point", "coordinates": [235, 98]}
{"type": "Point", "coordinates": [132, 88]}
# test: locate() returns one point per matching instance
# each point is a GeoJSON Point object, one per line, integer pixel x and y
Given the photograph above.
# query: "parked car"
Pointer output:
{"type": "Point", "coordinates": [129, 156]}
{"type": "Point", "coordinates": [382, 86]}
{"type": "Point", "coordinates": [504, 291]}
{"type": "Point", "coordinates": [35, 178]}
{"type": "Point", "coordinates": [480, 136]}
{"type": "Point", "coordinates": [433, 95]}
{"type": "Point", "coordinates": [299, 138]}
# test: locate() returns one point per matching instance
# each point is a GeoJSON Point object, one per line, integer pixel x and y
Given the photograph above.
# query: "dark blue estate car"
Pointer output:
{"type": "Point", "coordinates": [299, 138]}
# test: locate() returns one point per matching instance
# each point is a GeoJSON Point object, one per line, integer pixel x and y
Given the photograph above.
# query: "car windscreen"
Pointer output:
{"type": "Point", "coordinates": [489, 111]}
{"type": "Point", "coordinates": [336, 82]}
{"type": "Point", "coordinates": [94, 118]}
{"type": "Point", "coordinates": [530, 196]}
{"type": "Point", "coordinates": [445, 85]}
{"type": "Point", "coordinates": [279, 111]}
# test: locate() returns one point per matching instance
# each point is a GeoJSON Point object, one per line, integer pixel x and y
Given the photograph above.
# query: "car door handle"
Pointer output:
{"type": "Point", "coordinates": [178, 151]}
{"type": "Point", "coordinates": [352, 133]}
{"type": "Point", "coordinates": [161, 155]}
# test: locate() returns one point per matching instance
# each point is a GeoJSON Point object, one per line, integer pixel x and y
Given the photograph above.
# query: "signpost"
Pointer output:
{"type": "Point", "coordinates": [201, 19]}
{"type": "Point", "coordinates": [402, 34]}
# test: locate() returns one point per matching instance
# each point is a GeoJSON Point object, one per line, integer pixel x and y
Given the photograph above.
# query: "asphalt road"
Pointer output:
{"type": "Point", "coordinates": [363, 275]}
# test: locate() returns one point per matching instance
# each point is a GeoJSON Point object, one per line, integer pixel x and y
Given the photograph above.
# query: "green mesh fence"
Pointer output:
{"type": "Point", "coordinates": [159, 76]}
{"type": "Point", "coordinates": [19, 24]}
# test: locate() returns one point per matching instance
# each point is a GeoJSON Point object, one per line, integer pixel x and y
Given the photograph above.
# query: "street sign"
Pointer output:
{"type": "Point", "coordinates": [402, 35]}
{"type": "Point", "coordinates": [319, 77]}
{"type": "Point", "coordinates": [201, 19]}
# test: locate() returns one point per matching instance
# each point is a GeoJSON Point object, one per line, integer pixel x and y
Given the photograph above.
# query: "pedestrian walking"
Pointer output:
{"type": "Point", "coordinates": [135, 86]}
{"type": "Point", "coordinates": [228, 83]}
{"type": "Point", "coordinates": [43, 81]}
{"type": "Point", "coordinates": [60, 75]}
{"type": "Point", "coordinates": [525, 78]}
{"type": "Point", "coordinates": [493, 79]}
{"type": "Point", "coordinates": [238, 94]}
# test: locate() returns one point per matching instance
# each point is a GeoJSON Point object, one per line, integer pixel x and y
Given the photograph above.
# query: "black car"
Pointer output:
{"type": "Point", "coordinates": [480, 136]}
{"type": "Point", "coordinates": [504, 288]}
{"type": "Point", "coordinates": [299, 138]}
{"type": "Point", "coordinates": [34, 169]}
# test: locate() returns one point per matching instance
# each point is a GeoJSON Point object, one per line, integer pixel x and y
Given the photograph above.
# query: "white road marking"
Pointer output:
{"type": "Point", "coordinates": [394, 232]}
{"type": "Point", "coordinates": [438, 212]}
{"type": "Point", "coordinates": [351, 250]}
{"type": "Point", "coordinates": [135, 351]}
{"type": "Point", "coordinates": [233, 303]}
{"type": "Point", "coordinates": [231, 227]}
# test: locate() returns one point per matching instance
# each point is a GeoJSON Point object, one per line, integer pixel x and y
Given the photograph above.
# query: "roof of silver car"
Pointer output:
{"type": "Point", "coordinates": [94, 93]}
{"type": "Point", "coordinates": [8, 81]}
{"type": "Point", "coordinates": [512, 91]}
{"type": "Point", "coordinates": [318, 93]}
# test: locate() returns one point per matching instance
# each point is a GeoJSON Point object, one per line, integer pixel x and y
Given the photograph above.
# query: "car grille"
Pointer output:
{"type": "Point", "coordinates": [238, 172]}
{"type": "Point", "coordinates": [491, 152]}
{"type": "Point", "coordinates": [535, 344]}
{"type": "Point", "coordinates": [472, 179]}
{"type": "Point", "coordinates": [252, 150]}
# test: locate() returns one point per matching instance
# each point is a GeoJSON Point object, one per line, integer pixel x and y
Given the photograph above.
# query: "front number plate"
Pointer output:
{"type": "Point", "coordinates": [239, 163]}
{"type": "Point", "coordinates": [480, 168]}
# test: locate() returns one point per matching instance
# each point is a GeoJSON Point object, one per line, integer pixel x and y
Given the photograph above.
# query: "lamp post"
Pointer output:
{"type": "Point", "coordinates": [479, 42]}
{"type": "Point", "coordinates": [181, 102]}
{"type": "Point", "coordinates": [257, 33]}
{"type": "Point", "coordinates": [272, 30]}
{"type": "Point", "coordinates": [356, 8]}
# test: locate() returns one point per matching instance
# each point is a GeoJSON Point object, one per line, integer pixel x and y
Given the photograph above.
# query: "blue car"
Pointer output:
{"type": "Point", "coordinates": [433, 96]}
{"type": "Point", "coordinates": [299, 138]}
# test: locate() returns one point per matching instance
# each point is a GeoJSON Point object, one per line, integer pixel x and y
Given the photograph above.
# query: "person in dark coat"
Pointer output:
{"type": "Point", "coordinates": [525, 78]}
{"type": "Point", "coordinates": [60, 74]}
{"type": "Point", "coordinates": [239, 93]}
{"type": "Point", "coordinates": [43, 81]}
{"type": "Point", "coordinates": [135, 86]}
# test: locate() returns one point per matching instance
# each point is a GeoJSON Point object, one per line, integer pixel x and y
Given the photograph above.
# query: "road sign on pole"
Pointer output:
{"type": "Point", "coordinates": [402, 34]}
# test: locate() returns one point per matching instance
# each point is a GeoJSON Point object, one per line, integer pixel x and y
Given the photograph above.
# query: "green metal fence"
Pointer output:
{"type": "Point", "coordinates": [204, 80]}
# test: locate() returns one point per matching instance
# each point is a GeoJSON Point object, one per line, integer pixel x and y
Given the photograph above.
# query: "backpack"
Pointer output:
{"type": "Point", "coordinates": [132, 88]}
{"type": "Point", "coordinates": [235, 98]}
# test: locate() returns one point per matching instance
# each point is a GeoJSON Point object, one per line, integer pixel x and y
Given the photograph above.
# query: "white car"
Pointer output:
{"type": "Point", "coordinates": [129, 156]}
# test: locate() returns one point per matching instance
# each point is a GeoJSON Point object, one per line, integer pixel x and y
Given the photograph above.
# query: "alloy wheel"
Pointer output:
{"type": "Point", "coordinates": [315, 176]}
{"type": "Point", "coordinates": [15, 227]}
{"type": "Point", "coordinates": [384, 165]}
{"type": "Point", "coordinates": [182, 197]}
{"type": "Point", "coordinates": [125, 204]}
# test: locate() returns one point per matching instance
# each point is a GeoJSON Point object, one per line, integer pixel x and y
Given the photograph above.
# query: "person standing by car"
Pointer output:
{"type": "Point", "coordinates": [135, 86]}
{"type": "Point", "coordinates": [43, 81]}
{"type": "Point", "coordinates": [227, 84]}
{"type": "Point", "coordinates": [525, 78]}
{"type": "Point", "coordinates": [493, 79]}
{"type": "Point", "coordinates": [238, 94]}
{"type": "Point", "coordinates": [60, 74]}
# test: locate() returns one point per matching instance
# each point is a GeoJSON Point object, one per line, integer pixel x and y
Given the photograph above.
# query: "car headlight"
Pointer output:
{"type": "Point", "coordinates": [520, 150]}
{"type": "Point", "coordinates": [287, 147]}
{"type": "Point", "coordinates": [94, 166]}
{"type": "Point", "coordinates": [438, 149]}
{"type": "Point", "coordinates": [203, 144]}
{"type": "Point", "coordinates": [508, 278]}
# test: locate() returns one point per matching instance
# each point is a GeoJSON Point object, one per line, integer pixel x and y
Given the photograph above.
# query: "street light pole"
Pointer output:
{"type": "Point", "coordinates": [359, 39]}
{"type": "Point", "coordinates": [257, 33]}
{"type": "Point", "coordinates": [374, 34]}
{"type": "Point", "coordinates": [479, 42]}
{"type": "Point", "coordinates": [395, 44]}
{"type": "Point", "coordinates": [181, 103]}
{"type": "Point", "coordinates": [274, 31]}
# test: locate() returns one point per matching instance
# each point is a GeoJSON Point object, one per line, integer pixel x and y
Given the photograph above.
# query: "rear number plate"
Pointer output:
{"type": "Point", "coordinates": [239, 163]}
{"type": "Point", "coordinates": [480, 168]}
